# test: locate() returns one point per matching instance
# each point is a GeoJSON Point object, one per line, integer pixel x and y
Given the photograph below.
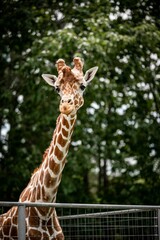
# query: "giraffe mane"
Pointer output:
{"type": "Point", "coordinates": [43, 158]}
{"type": "Point", "coordinates": [45, 154]}
{"type": "Point", "coordinates": [35, 170]}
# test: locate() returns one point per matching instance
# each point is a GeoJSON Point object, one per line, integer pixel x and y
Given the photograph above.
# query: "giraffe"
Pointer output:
{"type": "Point", "coordinates": [41, 222]}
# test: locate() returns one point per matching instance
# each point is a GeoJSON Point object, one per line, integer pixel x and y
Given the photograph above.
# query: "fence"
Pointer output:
{"type": "Point", "coordinates": [99, 221]}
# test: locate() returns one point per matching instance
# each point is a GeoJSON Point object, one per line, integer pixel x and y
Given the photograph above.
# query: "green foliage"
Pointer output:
{"type": "Point", "coordinates": [115, 151]}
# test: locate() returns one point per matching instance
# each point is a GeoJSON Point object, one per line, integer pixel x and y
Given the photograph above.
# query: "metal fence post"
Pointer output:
{"type": "Point", "coordinates": [159, 223]}
{"type": "Point", "coordinates": [21, 223]}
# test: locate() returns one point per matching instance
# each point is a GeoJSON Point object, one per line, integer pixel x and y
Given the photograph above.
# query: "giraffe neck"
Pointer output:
{"type": "Point", "coordinates": [45, 180]}
{"type": "Point", "coordinates": [43, 187]}
{"type": "Point", "coordinates": [55, 156]}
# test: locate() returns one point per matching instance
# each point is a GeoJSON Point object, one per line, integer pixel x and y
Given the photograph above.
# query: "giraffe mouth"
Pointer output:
{"type": "Point", "coordinates": [66, 109]}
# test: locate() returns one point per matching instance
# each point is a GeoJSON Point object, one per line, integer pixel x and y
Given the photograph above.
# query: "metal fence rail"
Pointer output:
{"type": "Point", "coordinates": [98, 221]}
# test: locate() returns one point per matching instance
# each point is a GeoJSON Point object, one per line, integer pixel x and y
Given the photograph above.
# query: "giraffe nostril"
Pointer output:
{"type": "Point", "coordinates": [67, 101]}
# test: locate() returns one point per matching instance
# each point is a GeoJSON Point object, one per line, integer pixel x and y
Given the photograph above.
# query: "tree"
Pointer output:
{"type": "Point", "coordinates": [115, 147]}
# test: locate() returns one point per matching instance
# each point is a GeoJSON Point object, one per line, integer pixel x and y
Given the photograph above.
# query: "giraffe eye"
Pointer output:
{"type": "Point", "coordinates": [57, 89]}
{"type": "Point", "coordinates": [82, 87]}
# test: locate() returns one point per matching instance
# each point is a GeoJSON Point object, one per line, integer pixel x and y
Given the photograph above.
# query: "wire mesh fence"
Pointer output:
{"type": "Point", "coordinates": [104, 222]}
{"type": "Point", "coordinates": [111, 225]}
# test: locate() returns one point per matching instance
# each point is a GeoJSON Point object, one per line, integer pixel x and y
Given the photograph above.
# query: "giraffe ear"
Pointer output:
{"type": "Point", "coordinates": [89, 75]}
{"type": "Point", "coordinates": [50, 79]}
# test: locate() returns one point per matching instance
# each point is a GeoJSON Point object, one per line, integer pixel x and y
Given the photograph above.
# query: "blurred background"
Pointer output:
{"type": "Point", "coordinates": [114, 155]}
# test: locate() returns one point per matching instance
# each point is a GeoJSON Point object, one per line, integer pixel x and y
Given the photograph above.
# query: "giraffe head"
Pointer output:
{"type": "Point", "coordinates": [70, 84]}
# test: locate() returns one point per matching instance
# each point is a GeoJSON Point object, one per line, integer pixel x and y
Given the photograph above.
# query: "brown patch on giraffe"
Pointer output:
{"type": "Point", "coordinates": [56, 169]}
{"type": "Point", "coordinates": [51, 164]}
{"type": "Point", "coordinates": [75, 102]}
{"type": "Point", "coordinates": [42, 174]}
{"type": "Point", "coordinates": [61, 140]}
{"type": "Point", "coordinates": [6, 226]}
{"type": "Point", "coordinates": [43, 191]}
{"type": "Point", "coordinates": [48, 180]}
{"type": "Point", "coordinates": [54, 141]}
{"type": "Point", "coordinates": [32, 211]}
{"type": "Point", "coordinates": [33, 196]}
{"type": "Point", "coordinates": [33, 232]}
{"type": "Point", "coordinates": [65, 123]}
{"type": "Point", "coordinates": [15, 216]}
{"type": "Point", "coordinates": [14, 220]}
{"type": "Point", "coordinates": [25, 194]}
{"type": "Point", "coordinates": [54, 166]}
{"type": "Point", "coordinates": [81, 102]}
{"type": "Point", "coordinates": [29, 195]}
{"type": "Point", "coordinates": [43, 224]}
{"type": "Point", "coordinates": [58, 153]}
{"type": "Point", "coordinates": [59, 126]}
{"type": "Point", "coordinates": [49, 226]}
{"type": "Point", "coordinates": [43, 210]}
{"type": "Point", "coordinates": [75, 87]}
{"type": "Point", "coordinates": [60, 236]}
{"type": "Point", "coordinates": [34, 220]}
{"type": "Point", "coordinates": [64, 132]}
{"type": "Point", "coordinates": [45, 236]}
{"type": "Point", "coordinates": [72, 121]}
{"type": "Point", "coordinates": [38, 192]}
{"type": "Point", "coordinates": [11, 212]}
{"type": "Point", "coordinates": [1, 221]}
{"type": "Point", "coordinates": [67, 85]}
{"type": "Point", "coordinates": [13, 232]}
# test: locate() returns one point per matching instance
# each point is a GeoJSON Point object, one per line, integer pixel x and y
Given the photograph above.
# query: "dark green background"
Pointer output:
{"type": "Point", "coordinates": [115, 151]}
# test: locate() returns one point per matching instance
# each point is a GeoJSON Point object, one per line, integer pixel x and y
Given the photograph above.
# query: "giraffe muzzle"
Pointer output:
{"type": "Point", "coordinates": [66, 107]}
